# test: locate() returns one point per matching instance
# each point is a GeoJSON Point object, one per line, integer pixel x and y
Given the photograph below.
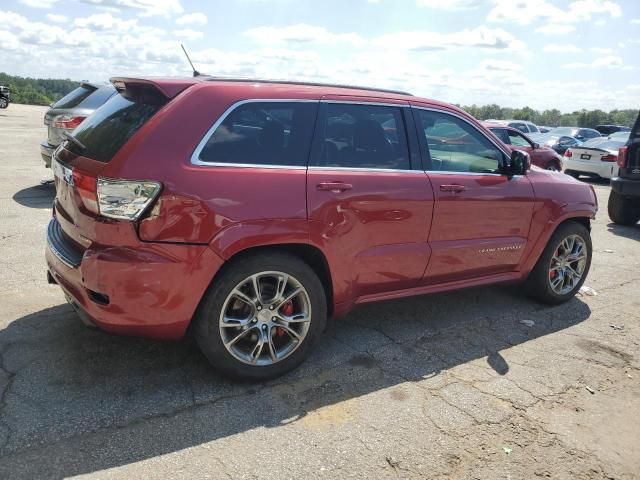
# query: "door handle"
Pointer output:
{"type": "Point", "coordinates": [452, 188]}
{"type": "Point", "coordinates": [335, 187]}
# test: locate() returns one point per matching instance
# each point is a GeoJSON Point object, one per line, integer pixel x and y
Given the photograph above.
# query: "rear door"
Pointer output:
{"type": "Point", "coordinates": [481, 218]}
{"type": "Point", "coordinates": [367, 199]}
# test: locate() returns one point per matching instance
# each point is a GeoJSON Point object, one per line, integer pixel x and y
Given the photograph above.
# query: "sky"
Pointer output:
{"type": "Point", "coordinates": [564, 54]}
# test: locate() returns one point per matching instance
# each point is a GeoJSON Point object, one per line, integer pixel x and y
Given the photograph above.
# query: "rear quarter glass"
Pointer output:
{"type": "Point", "coordinates": [111, 126]}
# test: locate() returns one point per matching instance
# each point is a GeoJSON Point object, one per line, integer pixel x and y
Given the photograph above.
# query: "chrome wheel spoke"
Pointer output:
{"type": "Point", "coordinates": [265, 318]}
{"type": "Point", "coordinates": [567, 264]}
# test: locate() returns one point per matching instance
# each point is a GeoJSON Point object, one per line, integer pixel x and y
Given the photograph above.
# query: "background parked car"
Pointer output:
{"type": "Point", "coordinates": [596, 158]}
{"type": "Point", "coordinates": [5, 97]}
{"type": "Point", "coordinates": [522, 125]}
{"type": "Point", "coordinates": [541, 156]}
{"type": "Point", "coordinates": [559, 143]}
{"type": "Point", "coordinates": [581, 134]}
{"type": "Point", "coordinates": [69, 112]}
{"type": "Point", "coordinates": [544, 129]}
{"type": "Point", "coordinates": [609, 129]}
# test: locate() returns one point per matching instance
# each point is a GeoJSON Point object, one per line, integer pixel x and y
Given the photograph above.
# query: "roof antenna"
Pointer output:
{"type": "Point", "coordinates": [196, 73]}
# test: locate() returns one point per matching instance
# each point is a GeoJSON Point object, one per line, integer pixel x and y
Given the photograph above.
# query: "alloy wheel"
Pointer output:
{"type": "Point", "coordinates": [568, 264]}
{"type": "Point", "coordinates": [265, 318]}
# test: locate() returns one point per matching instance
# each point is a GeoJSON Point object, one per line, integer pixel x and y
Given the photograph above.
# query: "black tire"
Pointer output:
{"type": "Point", "coordinates": [206, 320]}
{"type": "Point", "coordinates": [572, 173]}
{"type": "Point", "coordinates": [552, 166]}
{"type": "Point", "coordinates": [623, 210]}
{"type": "Point", "coordinates": [4, 103]}
{"type": "Point", "coordinates": [538, 284]}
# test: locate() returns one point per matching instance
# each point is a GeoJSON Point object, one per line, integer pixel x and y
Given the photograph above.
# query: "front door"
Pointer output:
{"type": "Point", "coordinates": [367, 206]}
{"type": "Point", "coordinates": [481, 218]}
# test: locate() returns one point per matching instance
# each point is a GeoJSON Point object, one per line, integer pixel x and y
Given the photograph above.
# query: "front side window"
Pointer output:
{"type": "Point", "coordinates": [533, 128]}
{"type": "Point", "coordinates": [363, 136]}
{"type": "Point", "coordinates": [518, 140]}
{"type": "Point", "coordinates": [263, 133]}
{"type": "Point", "coordinates": [455, 145]}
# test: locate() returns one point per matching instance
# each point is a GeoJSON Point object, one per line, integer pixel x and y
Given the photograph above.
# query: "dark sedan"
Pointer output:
{"type": "Point", "coordinates": [581, 134]}
{"type": "Point", "coordinates": [559, 143]}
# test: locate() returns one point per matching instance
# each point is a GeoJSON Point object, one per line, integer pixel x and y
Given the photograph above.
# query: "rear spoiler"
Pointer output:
{"type": "Point", "coordinates": [168, 87]}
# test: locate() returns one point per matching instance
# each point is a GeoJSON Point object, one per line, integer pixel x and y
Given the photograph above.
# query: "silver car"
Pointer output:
{"type": "Point", "coordinates": [69, 112]}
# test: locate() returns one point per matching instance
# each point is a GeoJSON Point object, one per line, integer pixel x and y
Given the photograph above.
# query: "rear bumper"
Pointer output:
{"type": "Point", "coordinates": [152, 291]}
{"type": "Point", "coordinates": [46, 150]}
{"type": "Point", "coordinates": [626, 186]}
{"type": "Point", "coordinates": [602, 169]}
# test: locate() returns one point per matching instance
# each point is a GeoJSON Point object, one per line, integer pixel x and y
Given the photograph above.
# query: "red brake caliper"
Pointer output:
{"type": "Point", "coordinates": [286, 309]}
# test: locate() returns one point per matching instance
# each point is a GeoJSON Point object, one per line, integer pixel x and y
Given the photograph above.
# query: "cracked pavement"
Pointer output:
{"type": "Point", "coordinates": [443, 386]}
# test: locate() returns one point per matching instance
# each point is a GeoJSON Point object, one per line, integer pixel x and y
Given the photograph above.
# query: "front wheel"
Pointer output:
{"type": "Point", "coordinates": [623, 210]}
{"type": "Point", "coordinates": [563, 266]}
{"type": "Point", "coordinates": [261, 317]}
{"type": "Point", "coordinates": [552, 166]}
{"type": "Point", "coordinates": [4, 103]}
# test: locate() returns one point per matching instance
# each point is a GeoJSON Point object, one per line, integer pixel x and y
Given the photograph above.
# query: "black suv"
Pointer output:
{"type": "Point", "coordinates": [5, 97]}
{"type": "Point", "coordinates": [624, 201]}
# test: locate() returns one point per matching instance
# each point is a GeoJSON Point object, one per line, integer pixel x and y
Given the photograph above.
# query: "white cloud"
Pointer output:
{"type": "Point", "coordinates": [188, 34]}
{"type": "Point", "coordinates": [635, 21]}
{"type": "Point", "coordinates": [56, 18]}
{"type": "Point", "coordinates": [555, 29]}
{"type": "Point", "coordinates": [196, 18]}
{"type": "Point", "coordinates": [609, 61]}
{"type": "Point", "coordinates": [300, 33]}
{"type": "Point", "coordinates": [39, 3]}
{"type": "Point", "coordinates": [562, 48]}
{"type": "Point", "coordinates": [452, 5]}
{"type": "Point", "coordinates": [500, 65]}
{"type": "Point", "coordinates": [99, 21]}
{"type": "Point", "coordinates": [528, 11]}
{"type": "Point", "coordinates": [602, 51]}
{"type": "Point", "coordinates": [145, 7]}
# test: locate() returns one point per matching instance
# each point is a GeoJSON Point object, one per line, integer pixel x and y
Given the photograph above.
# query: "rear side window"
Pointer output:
{"type": "Point", "coordinates": [533, 128]}
{"type": "Point", "coordinates": [263, 133]}
{"type": "Point", "coordinates": [502, 134]}
{"type": "Point", "coordinates": [520, 126]}
{"type": "Point", "coordinates": [74, 98]}
{"type": "Point", "coordinates": [97, 98]}
{"type": "Point", "coordinates": [456, 146]}
{"type": "Point", "coordinates": [363, 136]}
{"type": "Point", "coordinates": [107, 130]}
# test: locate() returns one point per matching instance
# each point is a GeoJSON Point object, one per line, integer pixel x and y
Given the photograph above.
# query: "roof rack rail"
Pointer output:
{"type": "Point", "coordinates": [294, 82]}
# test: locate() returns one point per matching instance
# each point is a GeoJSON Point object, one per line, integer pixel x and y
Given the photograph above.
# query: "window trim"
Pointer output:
{"type": "Point", "coordinates": [195, 156]}
{"type": "Point", "coordinates": [322, 117]}
{"type": "Point", "coordinates": [426, 156]}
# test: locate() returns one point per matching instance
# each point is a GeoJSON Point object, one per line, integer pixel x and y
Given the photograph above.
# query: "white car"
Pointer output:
{"type": "Point", "coordinates": [596, 157]}
{"type": "Point", "coordinates": [523, 125]}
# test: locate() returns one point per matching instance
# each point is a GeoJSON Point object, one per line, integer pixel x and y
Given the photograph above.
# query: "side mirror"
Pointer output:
{"type": "Point", "coordinates": [536, 145]}
{"type": "Point", "coordinates": [520, 163]}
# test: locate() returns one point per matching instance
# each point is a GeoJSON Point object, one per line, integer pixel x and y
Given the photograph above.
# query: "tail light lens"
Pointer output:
{"type": "Point", "coordinates": [609, 158]}
{"type": "Point", "coordinates": [622, 156]}
{"type": "Point", "coordinates": [67, 122]}
{"type": "Point", "coordinates": [568, 153]}
{"type": "Point", "coordinates": [86, 187]}
{"type": "Point", "coordinates": [125, 199]}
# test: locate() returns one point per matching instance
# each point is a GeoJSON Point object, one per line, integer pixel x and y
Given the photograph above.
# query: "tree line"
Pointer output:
{"type": "Point", "coordinates": [36, 91]}
{"type": "Point", "coordinates": [44, 91]}
{"type": "Point", "coordinates": [554, 117]}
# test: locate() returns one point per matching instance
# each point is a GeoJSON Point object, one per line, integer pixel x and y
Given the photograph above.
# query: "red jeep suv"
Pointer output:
{"type": "Point", "coordinates": [250, 211]}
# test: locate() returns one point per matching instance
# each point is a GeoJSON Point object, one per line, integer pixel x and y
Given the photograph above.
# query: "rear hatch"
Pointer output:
{"type": "Point", "coordinates": [69, 112]}
{"type": "Point", "coordinates": [77, 165]}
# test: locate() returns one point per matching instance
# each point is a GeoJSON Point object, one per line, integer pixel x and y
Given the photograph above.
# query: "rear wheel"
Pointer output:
{"type": "Point", "coordinates": [261, 317]}
{"type": "Point", "coordinates": [563, 266]}
{"type": "Point", "coordinates": [3, 102]}
{"type": "Point", "coordinates": [623, 210]}
{"type": "Point", "coordinates": [572, 173]}
{"type": "Point", "coordinates": [552, 166]}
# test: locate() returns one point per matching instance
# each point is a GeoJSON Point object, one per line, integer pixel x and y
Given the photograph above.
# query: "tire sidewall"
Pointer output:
{"type": "Point", "coordinates": [206, 321]}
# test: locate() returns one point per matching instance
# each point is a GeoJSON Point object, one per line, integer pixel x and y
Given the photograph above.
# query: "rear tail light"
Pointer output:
{"type": "Point", "coordinates": [622, 156]}
{"type": "Point", "coordinates": [86, 186]}
{"type": "Point", "coordinates": [68, 122]}
{"type": "Point", "coordinates": [568, 153]}
{"type": "Point", "coordinates": [609, 158]}
{"type": "Point", "coordinates": [125, 199]}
